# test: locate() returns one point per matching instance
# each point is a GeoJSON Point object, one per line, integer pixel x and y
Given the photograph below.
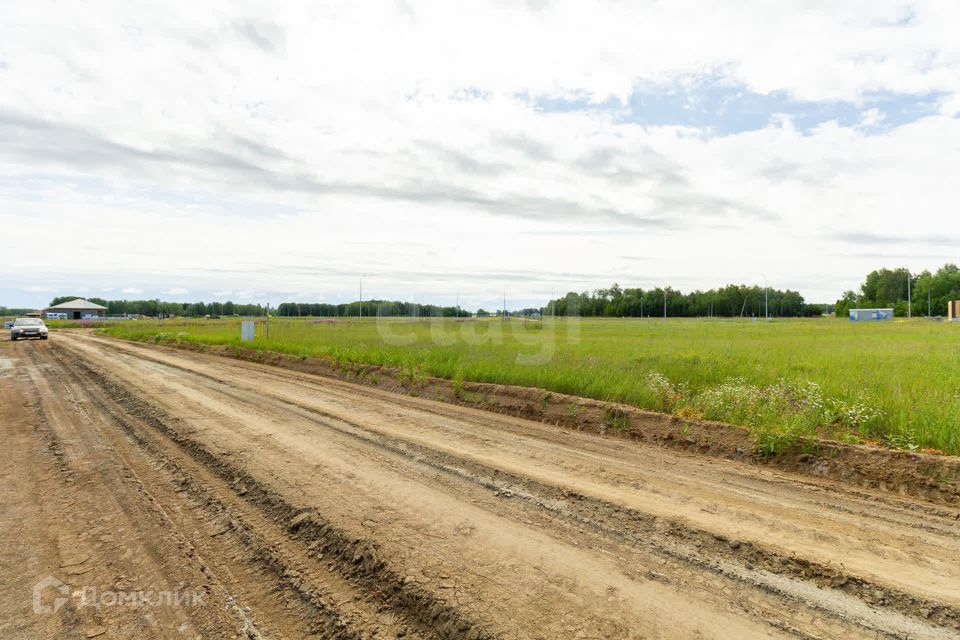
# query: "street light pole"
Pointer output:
{"type": "Point", "coordinates": [766, 299]}
{"type": "Point", "coordinates": [361, 295]}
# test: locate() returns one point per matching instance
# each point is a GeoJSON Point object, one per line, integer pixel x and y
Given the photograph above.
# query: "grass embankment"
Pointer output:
{"type": "Point", "coordinates": [894, 383]}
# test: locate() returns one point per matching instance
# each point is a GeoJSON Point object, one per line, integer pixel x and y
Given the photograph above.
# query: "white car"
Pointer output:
{"type": "Point", "coordinates": [28, 328]}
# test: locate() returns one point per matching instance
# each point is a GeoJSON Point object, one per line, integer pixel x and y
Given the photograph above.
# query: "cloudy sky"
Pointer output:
{"type": "Point", "coordinates": [278, 151]}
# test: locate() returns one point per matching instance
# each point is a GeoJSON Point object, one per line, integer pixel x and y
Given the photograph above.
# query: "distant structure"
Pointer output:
{"type": "Point", "coordinates": [78, 309]}
{"type": "Point", "coordinates": [860, 315]}
{"type": "Point", "coordinates": [953, 310]}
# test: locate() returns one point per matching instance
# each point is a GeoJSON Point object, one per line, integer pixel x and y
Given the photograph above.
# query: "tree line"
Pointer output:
{"type": "Point", "coordinates": [729, 301]}
{"type": "Point", "coordinates": [371, 309]}
{"type": "Point", "coordinates": [157, 308]}
{"type": "Point", "coordinates": [888, 288]}
{"type": "Point", "coordinates": [8, 311]}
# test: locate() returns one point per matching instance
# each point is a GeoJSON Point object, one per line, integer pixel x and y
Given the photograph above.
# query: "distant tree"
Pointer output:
{"type": "Point", "coordinates": [813, 310]}
{"type": "Point", "coordinates": [844, 304]}
{"type": "Point", "coordinates": [62, 299]}
{"type": "Point", "coordinates": [884, 287]}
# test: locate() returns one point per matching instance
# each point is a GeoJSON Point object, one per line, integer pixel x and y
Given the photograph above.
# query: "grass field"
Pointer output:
{"type": "Point", "coordinates": [896, 383]}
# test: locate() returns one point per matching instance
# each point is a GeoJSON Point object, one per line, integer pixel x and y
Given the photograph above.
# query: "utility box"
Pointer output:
{"type": "Point", "coordinates": [953, 310]}
{"type": "Point", "coordinates": [248, 330]}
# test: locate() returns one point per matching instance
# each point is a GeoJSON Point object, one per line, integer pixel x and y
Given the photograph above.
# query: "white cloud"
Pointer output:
{"type": "Point", "coordinates": [289, 148]}
{"type": "Point", "coordinates": [872, 118]}
{"type": "Point", "coordinates": [950, 106]}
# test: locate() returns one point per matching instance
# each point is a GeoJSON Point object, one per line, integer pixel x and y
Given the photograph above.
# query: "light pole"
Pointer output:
{"type": "Point", "coordinates": [766, 298]}
{"type": "Point", "coordinates": [361, 295]}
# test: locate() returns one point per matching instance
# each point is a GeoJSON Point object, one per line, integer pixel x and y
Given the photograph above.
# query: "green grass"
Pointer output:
{"type": "Point", "coordinates": [896, 383]}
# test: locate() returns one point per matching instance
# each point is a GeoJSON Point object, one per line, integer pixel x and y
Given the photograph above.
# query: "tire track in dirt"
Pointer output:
{"type": "Point", "coordinates": [104, 528]}
{"type": "Point", "coordinates": [378, 448]}
{"type": "Point", "coordinates": [900, 515]}
{"type": "Point", "coordinates": [704, 550]}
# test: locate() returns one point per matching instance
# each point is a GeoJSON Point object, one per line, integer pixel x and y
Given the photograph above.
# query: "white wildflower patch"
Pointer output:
{"type": "Point", "coordinates": [783, 405]}
{"type": "Point", "coordinates": [666, 393]}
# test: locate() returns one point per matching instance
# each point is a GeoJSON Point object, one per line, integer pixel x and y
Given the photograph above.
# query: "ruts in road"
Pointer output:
{"type": "Point", "coordinates": [148, 492]}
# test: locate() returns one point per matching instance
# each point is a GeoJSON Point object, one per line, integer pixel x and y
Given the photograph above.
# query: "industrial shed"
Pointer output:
{"type": "Point", "coordinates": [859, 315]}
{"type": "Point", "coordinates": [953, 310]}
{"type": "Point", "coordinates": [78, 309]}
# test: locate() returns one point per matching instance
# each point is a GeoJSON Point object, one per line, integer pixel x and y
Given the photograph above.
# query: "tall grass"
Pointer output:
{"type": "Point", "coordinates": [896, 383]}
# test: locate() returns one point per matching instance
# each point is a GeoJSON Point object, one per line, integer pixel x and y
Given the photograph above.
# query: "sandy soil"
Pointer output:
{"type": "Point", "coordinates": [289, 505]}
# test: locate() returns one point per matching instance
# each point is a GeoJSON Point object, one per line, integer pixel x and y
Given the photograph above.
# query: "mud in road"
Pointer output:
{"type": "Point", "coordinates": [297, 506]}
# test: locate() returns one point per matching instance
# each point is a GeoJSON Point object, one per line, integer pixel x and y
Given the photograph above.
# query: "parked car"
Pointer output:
{"type": "Point", "coordinates": [8, 324]}
{"type": "Point", "coordinates": [28, 328]}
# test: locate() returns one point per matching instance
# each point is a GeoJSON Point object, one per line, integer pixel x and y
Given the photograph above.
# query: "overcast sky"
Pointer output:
{"type": "Point", "coordinates": [277, 151]}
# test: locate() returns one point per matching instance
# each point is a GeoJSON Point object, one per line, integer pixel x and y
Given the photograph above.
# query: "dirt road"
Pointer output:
{"type": "Point", "coordinates": [282, 505]}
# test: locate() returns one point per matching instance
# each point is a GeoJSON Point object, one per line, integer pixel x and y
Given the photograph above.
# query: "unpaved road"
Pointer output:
{"type": "Point", "coordinates": [295, 506]}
